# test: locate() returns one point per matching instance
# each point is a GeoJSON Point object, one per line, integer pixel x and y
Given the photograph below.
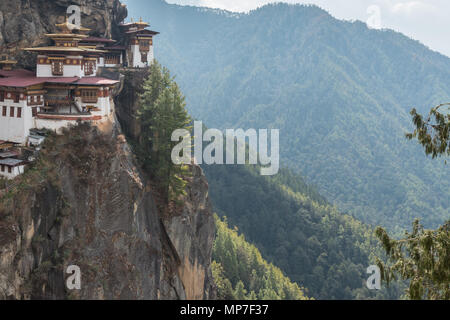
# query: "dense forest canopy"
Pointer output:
{"type": "Point", "coordinates": [319, 248]}
{"type": "Point", "coordinates": [339, 92]}
{"type": "Point", "coordinates": [240, 271]}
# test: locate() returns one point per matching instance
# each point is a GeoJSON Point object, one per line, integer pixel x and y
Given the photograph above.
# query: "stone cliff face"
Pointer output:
{"type": "Point", "coordinates": [24, 23]}
{"type": "Point", "coordinates": [86, 203]}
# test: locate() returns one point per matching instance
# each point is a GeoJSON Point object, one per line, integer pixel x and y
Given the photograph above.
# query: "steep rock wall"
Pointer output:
{"type": "Point", "coordinates": [24, 23]}
{"type": "Point", "coordinates": [87, 204]}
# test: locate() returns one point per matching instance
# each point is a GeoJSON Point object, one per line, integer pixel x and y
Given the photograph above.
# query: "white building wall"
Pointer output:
{"type": "Point", "coordinates": [73, 71]}
{"type": "Point", "coordinates": [16, 171]}
{"type": "Point", "coordinates": [104, 105]}
{"type": "Point", "coordinates": [58, 125]}
{"type": "Point", "coordinates": [12, 128]}
{"type": "Point", "coordinates": [45, 70]}
{"type": "Point", "coordinates": [151, 55]}
{"type": "Point", "coordinates": [137, 58]}
{"type": "Point", "coordinates": [54, 125]}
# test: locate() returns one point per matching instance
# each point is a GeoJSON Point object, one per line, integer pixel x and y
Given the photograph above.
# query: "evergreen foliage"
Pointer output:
{"type": "Point", "coordinates": [241, 273]}
{"type": "Point", "coordinates": [339, 92]}
{"type": "Point", "coordinates": [162, 111]}
{"type": "Point", "coordinates": [433, 133]}
{"type": "Point", "coordinates": [423, 258]}
{"type": "Point", "coordinates": [315, 245]}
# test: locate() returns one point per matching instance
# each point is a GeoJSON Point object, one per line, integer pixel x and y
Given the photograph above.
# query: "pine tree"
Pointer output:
{"type": "Point", "coordinates": [239, 292]}
{"type": "Point", "coordinates": [162, 111]}
{"type": "Point", "coordinates": [423, 256]}
{"type": "Point", "coordinates": [433, 133]}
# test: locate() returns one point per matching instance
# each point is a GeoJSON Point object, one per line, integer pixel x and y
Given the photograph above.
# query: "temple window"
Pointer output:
{"type": "Point", "coordinates": [144, 45]}
{"type": "Point", "coordinates": [112, 59]}
{"type": "Point", "coordinates": [11, 112]}
{"type": "Point", "coordinates": [88, 68]}
{"type": "Point", "coordinates": [19, 112]}
{"type": "Point", "coordinates": [57, 68]}
{"type": "Point", "coordinates": [16, 97]}
{"type": "Point", "coordinates": [144, 58]}
{"type": "Point", "coordinates": [89, 96]}
{"type": "Point", "coordinates": [4, 111]}
{"type": "Point", "coordinates": [34, 100]}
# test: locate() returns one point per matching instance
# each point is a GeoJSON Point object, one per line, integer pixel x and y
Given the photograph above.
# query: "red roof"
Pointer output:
{"type": "Point", "coordinates": [23, 82]}
{"type": "Point", "coordinates": [60, 79]}
{"type": "Point", "coordinates": [16, 73]}
{"type": "Point", "coordinates": [20, 82]}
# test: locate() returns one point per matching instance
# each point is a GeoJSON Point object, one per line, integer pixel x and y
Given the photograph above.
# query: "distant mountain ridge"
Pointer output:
{"type": "Point", "coordinates": [339, 92]}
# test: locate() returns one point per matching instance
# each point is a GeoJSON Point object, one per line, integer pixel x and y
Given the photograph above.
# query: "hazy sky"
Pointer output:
{"type": "Point", "coordinates": [424, 20]}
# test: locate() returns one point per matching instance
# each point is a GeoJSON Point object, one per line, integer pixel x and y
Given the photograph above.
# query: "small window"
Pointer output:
{"type": "Point", "coordinates": [2, 96]}
{"type": "Point", "coordinates": [57, 68]}
{"type": "Point", "coordinates": [4, 111]}
{"type": "Point", "coordinates": [11, 112]}
{"type": "Point", "coordinates": [3, 168]}
{"type": "Point", "coordinates": [9, 170]}
{"type": "Point", "coordinates": [89, 96]}
{"type": "Point", "coordinates": [34, 111]}
{"type": "Point", "coordinates": [144, 57]}
{"type": "Point", "coordinates": [19, 112]}
{"type": "Point", "coordinates": [16, 97]}
{"type": "Point", "coordinates": [88, 68]}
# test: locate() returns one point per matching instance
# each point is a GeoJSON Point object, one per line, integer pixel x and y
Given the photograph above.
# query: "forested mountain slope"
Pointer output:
{"type": "Point", "coordinates": [316, 246]}
{"type": "Point", "coordinates": [339, 92]}
{"type": "Point", "coordinates": [240, 272]}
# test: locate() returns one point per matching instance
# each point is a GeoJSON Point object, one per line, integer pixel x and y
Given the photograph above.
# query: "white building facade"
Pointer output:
{"type": "Point", "coordinates": [65, 88]}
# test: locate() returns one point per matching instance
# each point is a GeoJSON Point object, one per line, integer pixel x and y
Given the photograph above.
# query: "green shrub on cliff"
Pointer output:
{"type": "Point", "coordinates": [162, 111]}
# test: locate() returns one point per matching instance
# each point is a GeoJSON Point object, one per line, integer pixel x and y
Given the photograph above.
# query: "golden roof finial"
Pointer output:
{"type": "Point", "coordinates": [140, 19]}
{"type": "Point", "coordinates": [132, 20]}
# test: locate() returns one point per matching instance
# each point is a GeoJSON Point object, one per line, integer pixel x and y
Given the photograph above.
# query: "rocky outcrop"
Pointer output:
{"type": "Point", "coordinates": [87, 204]}
{"type": "Point", "coordinates": [192, 234]}
{"type": "Point", "coordinates": [25, 23]}
{"type": "Point", "coordinates": [128, 102]}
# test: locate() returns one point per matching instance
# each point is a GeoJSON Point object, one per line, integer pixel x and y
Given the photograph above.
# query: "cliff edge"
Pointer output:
{"type": "Point", "coordinates": [86, 203]}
